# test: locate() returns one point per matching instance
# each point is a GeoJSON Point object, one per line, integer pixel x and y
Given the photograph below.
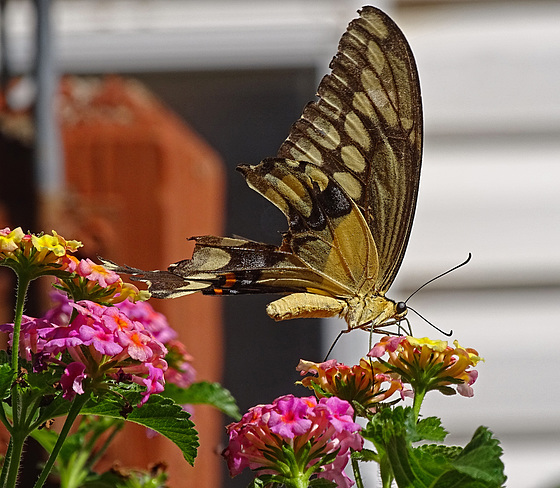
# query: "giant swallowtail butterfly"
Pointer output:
{"type": "Point", "coordinates": [346, 178]}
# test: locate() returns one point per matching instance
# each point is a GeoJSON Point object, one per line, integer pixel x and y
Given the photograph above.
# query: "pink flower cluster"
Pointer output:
{"type": "Point", "coordinates": [102, 343]}
{"type": "Point", "coordinates": [308, 428]}
{"type": "Point", "coordinates": [180, 370]}
{"type": "Point", "coordinates": [88, 280]}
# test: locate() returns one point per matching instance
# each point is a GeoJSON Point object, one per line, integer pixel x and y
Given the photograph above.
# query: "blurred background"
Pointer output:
{"type": "Point", "coordinates": [144, 107]}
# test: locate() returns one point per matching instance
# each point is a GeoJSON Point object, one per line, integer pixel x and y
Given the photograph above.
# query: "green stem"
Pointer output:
{"type": "Point", "coordinates": [298, 482]}
{"type": "Point", "coordinates": [77, 404]}
{"type": "Point", "coordinates": [357, 474]}
{"type": "Point", "coordinates": [17, 440]}
{"type": "Point", "coordinates": [22, 286]}
{"type": "Point", "coordinates": [6, 466]}
{"type": "Point", "coordinates": [18, 435]}
{"type": "Point", "coordinates": [385, 470]}
{"type": "Point", "coordinates": [418, 399]}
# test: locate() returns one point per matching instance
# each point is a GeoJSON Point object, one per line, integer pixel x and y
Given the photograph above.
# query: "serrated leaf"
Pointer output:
{"type": "Point", "coordinates": [390, 422]}
{"type": "Point", "coordinates": [430, 429]}
{"type": "Point", "coordinates": [432, 460]}
{"type": "Point", "coordinates": [480, 458]}
{"type": "Point", "coordinates": [449, 452]}
{"type": "Point", "coordinates": [204, 393]}
{"type": "Point", "coordinates": [158, 413]}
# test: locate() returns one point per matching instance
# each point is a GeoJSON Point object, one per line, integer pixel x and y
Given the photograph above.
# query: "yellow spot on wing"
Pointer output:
{"type": "Point", "coordinates": [353, 158]}
{"type": "Point", "coordinates": [328, 136]}
{"type": "Point", "coordinates": [362, 103]}
{"type": "Point", "coordinates": [291, 189]}
{"type": "Point", "coordinates": [356, 130]}
{"type": "Point", "coordinates": [211, 259]}
{"type": "Point", "coordinates": [305, 150]}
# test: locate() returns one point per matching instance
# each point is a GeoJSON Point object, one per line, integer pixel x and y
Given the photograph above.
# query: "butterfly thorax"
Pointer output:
{"type": "Point", "coordinates": [371, 311]}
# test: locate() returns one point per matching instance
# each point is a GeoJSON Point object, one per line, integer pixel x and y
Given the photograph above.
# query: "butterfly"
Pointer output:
{"type": "Point", "coordinates": [346, 178]}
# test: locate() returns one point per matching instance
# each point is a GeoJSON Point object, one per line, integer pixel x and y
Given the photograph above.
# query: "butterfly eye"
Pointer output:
{"type": "Point", "coordinates": [401, 307]}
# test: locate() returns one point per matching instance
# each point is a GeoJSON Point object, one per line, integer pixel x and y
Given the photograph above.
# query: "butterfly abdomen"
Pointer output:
{"type": "Point", "coordinates": [305, 305]}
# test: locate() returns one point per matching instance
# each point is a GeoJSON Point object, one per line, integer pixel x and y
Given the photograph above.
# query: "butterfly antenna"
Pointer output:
{"type": "Point", "coordinates": [334, 344]}
{"type": "Point", "coordinates": [437, 278]}
{"type": "Point", "coordinates": [448, 334]}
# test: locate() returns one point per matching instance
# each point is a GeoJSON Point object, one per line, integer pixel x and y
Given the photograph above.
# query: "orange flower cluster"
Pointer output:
{"type": "Point", "coordinates": [364, 383]}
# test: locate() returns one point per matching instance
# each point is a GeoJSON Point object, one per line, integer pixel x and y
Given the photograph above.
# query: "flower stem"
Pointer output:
{"type": "Point", "coordinates": [77, 404]}
{"type": "Point", "coordinates": [6, 465]}
{"type": "Point", "coordinates": [297, 482]}
{"type": "Point", "coordinates": [18, 433]}
{"type": "Point", "coordinates": [357, 474]}
{"type": "Point", "coordinates": [17, 442]}
{"type": "Point", "coordinates": [22, 286]}
{"type": "Point", "coordinates": [418, 399]}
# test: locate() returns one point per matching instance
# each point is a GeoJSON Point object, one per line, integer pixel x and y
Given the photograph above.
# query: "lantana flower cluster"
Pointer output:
{"type": "Point", "coordinates": [35, 254]}
{"type": "Point", "coordinates": [179, 371]}
{"type": "Point", "coordinates": [365, 383]}
{"type": "Point", "coordinates": [293, 439]}
{"type": "Point", "coordinates": [429, 365]}
{"type": "Point", "coordinates": [91, 340]}
{"type": "Point", "coordinates": [88, 280]}
{"type": "Point", "coordinates": [100, 343]}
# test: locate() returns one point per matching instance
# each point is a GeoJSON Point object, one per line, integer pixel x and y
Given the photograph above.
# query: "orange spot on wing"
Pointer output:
{"type": "Point", "coordinates": [230, 280]}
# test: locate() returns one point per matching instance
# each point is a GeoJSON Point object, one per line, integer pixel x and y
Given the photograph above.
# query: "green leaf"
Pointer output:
{"type": "Point", "coordinates": [204, 393]}
{"type": "Point", "coordinates": [54, 407]}
{"type": "Point", "coordinates": [6, 379]}
{"type": "Point", "coordinates": [449, 452]}
{"type": "Point", "coordinates": [430, 429]}
{"type": "Point", "coordinates": [388, 423]}
{"type": "Point", "coordinates": [158, 413]}
{"type": "Point", "coordinates": [480, 458]}
{"type": "Point", "coordinates": [478, 465]}
{"type": "Point", "coordinates": [321, 483]}
{"type": "Point", "coordinates": [365, 455]}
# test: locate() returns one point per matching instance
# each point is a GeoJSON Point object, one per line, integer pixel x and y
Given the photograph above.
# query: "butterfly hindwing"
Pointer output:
{"type": "Point", "coordinates": [320, 217]}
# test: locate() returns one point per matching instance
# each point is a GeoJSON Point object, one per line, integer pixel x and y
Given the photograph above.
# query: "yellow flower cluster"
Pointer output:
{"type": "Point", "coordinates": [34, 254]}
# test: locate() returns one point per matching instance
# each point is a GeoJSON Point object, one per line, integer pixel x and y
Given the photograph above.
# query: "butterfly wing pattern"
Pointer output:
{"type": "Point", "coordinates": [346, 178]}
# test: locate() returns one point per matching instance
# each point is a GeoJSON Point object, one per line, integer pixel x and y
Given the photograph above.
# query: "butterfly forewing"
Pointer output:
{"type": "Point", "coordinates": [365, 131]}
{"type": "Point", "coordinates": [346, 178]}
